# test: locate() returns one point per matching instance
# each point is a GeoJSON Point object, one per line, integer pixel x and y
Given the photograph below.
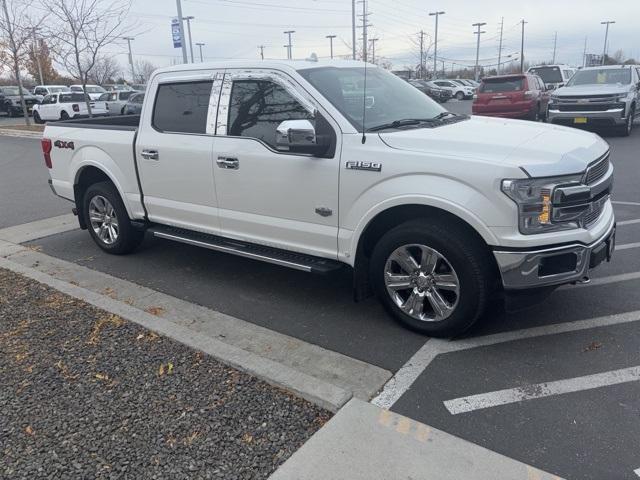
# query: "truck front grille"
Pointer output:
{"type": "Point", "coordinates": [597, 170]}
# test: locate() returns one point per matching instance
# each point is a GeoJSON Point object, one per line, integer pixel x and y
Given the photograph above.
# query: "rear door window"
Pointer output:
{"type": "Point", "coordinates": [502, 85]}
{"type": "Point", "coordinates": [182, 107]}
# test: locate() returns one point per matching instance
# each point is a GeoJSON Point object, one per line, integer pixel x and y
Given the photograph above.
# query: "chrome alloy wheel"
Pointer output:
{"type": "Point", "coordinates": [103, 219]}
{"type": "Point", "coordinates": [422, 283]}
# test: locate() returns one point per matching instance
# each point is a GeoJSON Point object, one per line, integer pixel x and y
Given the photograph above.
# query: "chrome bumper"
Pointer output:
{"type": "Point", "coordinates": [615, 116]}
{"type": "Point", "coordinates": [553, 266]}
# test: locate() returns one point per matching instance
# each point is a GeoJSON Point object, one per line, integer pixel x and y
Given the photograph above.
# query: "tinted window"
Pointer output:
{"type": "Point", "coordinates": [71, 97]}
{"type": "Point", "coordinates": [548, 74]}
{"type": "Point", "coordinates": [498, 85]}
{"type": "Point", "coordinates": [182, 107]}
{"type": "Point", "coordinates": [258, 107]}
{"type": "Point", "coordinates": [105, 97]}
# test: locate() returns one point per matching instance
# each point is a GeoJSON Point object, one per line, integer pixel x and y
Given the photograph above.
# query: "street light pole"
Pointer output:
{"type": "Point", "coordinates": [435, 46]}
{"type": "Point", "coordinates": [522, 47]}
{"type": "Point", "coordinates": [353, 29]}
{"type": "Point", "coordinates": [188, 19]}
{"type": "Point", "coordinates": [289, 45]}
{"type": "Point", "coordinates": [373, 49]}
{"type": "Point", "coordinates": [200, 45]}
{"type": "Point", "coordinates": [183, 43]}
{"type": "Point", "coordinates": [261, 47]}
{"type": "Point", "coordinates": [331, 37]}
{"type": "Point", "coordinates": [606, 38]}
{"type": "Point", "coordinates": [133, 74]}
{"type": "Point", "coordinates": [478, 33]}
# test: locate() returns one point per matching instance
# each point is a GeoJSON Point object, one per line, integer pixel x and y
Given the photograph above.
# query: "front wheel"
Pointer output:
{"type": "Point", "coordinates": [433, 276]}
{"type": "Point", "coordinates": [107, 220]}
{"type": "Point", "coordinates": [625, 130]}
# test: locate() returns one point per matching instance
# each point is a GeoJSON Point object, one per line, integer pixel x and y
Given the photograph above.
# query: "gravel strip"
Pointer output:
{"type": "Point", "coordinates": [85, 394]}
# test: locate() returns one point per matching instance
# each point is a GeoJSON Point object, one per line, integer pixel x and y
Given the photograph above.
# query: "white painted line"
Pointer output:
{"type": "Point", "coordinates": [408, 373]}
{"type": "Point", "coordinates": [598, 322]}
{"type": "Point", "coordinates": [541, 390]}
{"type": "Point", "coordinates": [628, 222]}
{"type": "Point", "coordinates": [623, 277]}
{"type": "Point", "coordinates": [627, 246]}
{"type": "Point", "coordinates": [618, 202]}
{"type": "Point", "coordinates": [637, 471]}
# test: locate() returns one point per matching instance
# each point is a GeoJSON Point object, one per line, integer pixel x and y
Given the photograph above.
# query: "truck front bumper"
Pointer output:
{"type": "Point", "coordinates": [553, 266]}
{"type": "Point", "coordinates": [610, 117]}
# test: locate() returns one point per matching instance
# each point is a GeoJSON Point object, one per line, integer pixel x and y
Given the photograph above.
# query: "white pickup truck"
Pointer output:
{"type": "Point", "coordinates": [306, 165]}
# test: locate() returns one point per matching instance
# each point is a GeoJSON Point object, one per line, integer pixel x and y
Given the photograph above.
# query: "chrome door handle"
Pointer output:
{"type": "Point", "coordinates": [228, 162]}
{"type": "Point", "coordinates": [150, 154]}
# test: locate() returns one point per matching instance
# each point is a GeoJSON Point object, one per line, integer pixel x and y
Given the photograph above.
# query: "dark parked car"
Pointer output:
{"type": "Point", "coordinates": [523, 96]}
{"type": "Point", "coordinates": [440, 95]}
{"type": "Point", "coordinates": [134, 104]}
{"type": "Point", "coordinates": [10, 100]}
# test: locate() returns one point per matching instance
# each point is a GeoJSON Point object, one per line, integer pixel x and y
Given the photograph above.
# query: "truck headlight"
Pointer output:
{"type": "Point", "coordinates": [534, 199]}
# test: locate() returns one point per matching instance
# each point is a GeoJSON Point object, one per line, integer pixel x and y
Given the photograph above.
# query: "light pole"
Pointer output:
{"type": "Point", "coordinates": [331, 37]}
{"type": "Point", "coordinates": [36, 54]}
{"type": "Point", "coordinates": [606, 38]}
{"type": "Point", "coordinates": [289, 46]}
{"type": "Point", "coordinates": [478, 33]}
{"type": "Point", "coordinates": [261, 47]}
{"type": "Point", "coordinates": [200, 45]}
{"type": "Point", "coordinates": [353, 29]}
{"type": "Point", "coordinates": [133, 74]}
{"type": "Point", "coordinates": [435, 46]}
{"type": "Point", "coordinates": [181, 26]}
{"type": "Point", "coordinates": [188, 19]}
{"type": "Point", "coordinates": [522, 47]}
{"type": "Point", "coordinates": [373, 49]}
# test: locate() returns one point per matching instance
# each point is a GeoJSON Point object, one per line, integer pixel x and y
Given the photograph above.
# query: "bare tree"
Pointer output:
{"type": "Point", "coordinates": [104, 70]}
{"type": "Point", "coordinates": [421, 46]}
{"type": "Point", "coordinates": [83, 29]}
{"type": "Point", "coordinates": [144, 69]}
{"type": "Point", "coordinates": [16, 27]}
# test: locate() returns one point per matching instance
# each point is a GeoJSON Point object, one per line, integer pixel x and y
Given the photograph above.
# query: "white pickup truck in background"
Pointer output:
{"type": "Point", "coordinates": [300, 165]}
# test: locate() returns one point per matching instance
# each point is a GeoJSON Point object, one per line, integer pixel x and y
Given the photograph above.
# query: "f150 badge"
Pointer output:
{"type": "Point", "coordinates": [369, 166]}
{"type": "Point", "coordinates": [62, 144]}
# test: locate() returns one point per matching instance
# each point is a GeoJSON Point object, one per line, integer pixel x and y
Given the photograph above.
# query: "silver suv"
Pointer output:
{"type": "Point", "coordinates": [599, 97]}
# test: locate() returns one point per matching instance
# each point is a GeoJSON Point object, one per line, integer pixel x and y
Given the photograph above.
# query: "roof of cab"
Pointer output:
{"type": "Point", "coordinates": [295, 65]}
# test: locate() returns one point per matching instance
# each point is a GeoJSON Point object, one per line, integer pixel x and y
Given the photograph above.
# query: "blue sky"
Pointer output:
{"type": "Point", "coordinates": [235, 28]}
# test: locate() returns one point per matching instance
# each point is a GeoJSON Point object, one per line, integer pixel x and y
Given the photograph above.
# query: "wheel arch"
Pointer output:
{"type": "Point", "coordinates": [86, 176]}
{"type": "Point", "coordinates": [395, 215]}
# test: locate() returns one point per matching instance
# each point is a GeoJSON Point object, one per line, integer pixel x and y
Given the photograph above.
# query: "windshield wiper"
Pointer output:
{"type": "Point", "coordinates": [442, 115]}
{"type": "Point", "coordinates": [405, 122]}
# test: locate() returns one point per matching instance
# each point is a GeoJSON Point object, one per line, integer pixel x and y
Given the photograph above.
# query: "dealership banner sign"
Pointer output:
{"type": "Point", "coordinates": [175, 33]}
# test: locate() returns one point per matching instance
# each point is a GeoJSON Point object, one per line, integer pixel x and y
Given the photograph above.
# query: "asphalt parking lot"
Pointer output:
{"type": "Point", "coordinates": [561, 394]}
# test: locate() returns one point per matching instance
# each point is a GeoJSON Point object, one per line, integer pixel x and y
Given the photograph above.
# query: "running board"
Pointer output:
{"type": "Point", "coordinates": [284, 258]}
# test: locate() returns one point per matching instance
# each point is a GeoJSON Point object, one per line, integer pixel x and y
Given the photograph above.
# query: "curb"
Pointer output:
{"type": "Point", "coordinates": [19, 134]}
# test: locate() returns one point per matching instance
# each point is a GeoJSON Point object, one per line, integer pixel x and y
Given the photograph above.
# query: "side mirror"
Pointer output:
{"type": "Point", "coordinates": [299, 136]}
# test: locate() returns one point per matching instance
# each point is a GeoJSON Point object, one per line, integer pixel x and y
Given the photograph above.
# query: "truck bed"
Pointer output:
{"type": "Point", "coordinates": [118, 122]}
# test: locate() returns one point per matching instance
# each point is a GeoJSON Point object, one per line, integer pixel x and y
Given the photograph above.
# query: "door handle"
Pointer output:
{"type": "Point", "coordinates": [228, 162]}
{"type": "Point", "coordinates": [150, 154]}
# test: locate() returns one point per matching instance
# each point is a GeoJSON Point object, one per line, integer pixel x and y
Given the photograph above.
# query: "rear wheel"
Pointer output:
{"type": "Point", "coordinates": [460, 95]}
{"type": "Point", "coordinates": [64, 115]}
{"type": "Point", "coordinates": [107, 220]}
{"type": "Point", "coordinates": [432, 277]}
{"type": "Point", "coordinates": [36, 117]}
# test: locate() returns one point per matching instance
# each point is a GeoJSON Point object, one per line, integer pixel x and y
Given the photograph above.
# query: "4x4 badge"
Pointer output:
{"type": "Point", "coordinates": [369, 166]}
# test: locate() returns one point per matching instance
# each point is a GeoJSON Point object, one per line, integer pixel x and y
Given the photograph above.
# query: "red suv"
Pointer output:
{"type": "Point", "coordinates": [512, 96]}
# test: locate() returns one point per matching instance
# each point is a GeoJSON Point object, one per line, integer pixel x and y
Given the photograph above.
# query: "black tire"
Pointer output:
{"type": "Point", "coordinates": [36, 118]}
{"type": "Point", "coordinates": [128, 238]}
{"type": "Point", "coordinates": [64, 115]}
{"type": "Point", "coordinates": [460, 96]}
{"type": "Point", "coordinates": [626, 130]}
{"type": "Point", "coordinates": [469, 258]}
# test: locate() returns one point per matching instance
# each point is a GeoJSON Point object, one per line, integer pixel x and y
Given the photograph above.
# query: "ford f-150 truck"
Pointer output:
{"type": "Point", "coordinates": [321, 166]}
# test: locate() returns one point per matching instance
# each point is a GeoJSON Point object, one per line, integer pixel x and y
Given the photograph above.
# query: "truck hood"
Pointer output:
{"type": "Point", "coordinates": [539, 149]}
{"type": "Point", "coordinates": [594, 89]}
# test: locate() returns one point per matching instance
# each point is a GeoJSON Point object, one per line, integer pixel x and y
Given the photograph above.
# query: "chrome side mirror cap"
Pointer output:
{"type": "Point", "coordinates": [296, 135]}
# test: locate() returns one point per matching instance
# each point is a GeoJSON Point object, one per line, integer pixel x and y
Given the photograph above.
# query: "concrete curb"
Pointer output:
{"type": "Point", "coordinates": [326, 378]}
{"type": "Point", "coordinates": [9, 132]}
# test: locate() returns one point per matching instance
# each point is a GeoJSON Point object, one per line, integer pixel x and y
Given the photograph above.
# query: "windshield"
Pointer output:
{"type": "Point", "coordinates": [388, 98]}
{"type": "Point", "coordinates": [13, 91]}
{"type": "Point", "coordinates": [95, 89]}
{"type": "Point", "coordinates": [601, 76]}
{"type": "Point", "coordinates": [548, 74]}
{"type": "Point", "coordinates": [499, 85]}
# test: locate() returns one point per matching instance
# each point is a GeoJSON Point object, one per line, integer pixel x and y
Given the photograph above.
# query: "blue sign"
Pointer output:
{"type": "Point", "coordinates": [175, 33]}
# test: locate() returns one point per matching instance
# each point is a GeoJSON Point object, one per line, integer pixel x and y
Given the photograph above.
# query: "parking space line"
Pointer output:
{"type": "Point", "coordinates": [409, 372]}
{"type": "Point", "coordinates": [628, 246]}
{"type": "Point", "coordinates": [628, 222]}
{"type": "Point", "coordinates": [541, 390]}
{"type": "Point", "coordinates": [618, 202]}
{"type": "Point", "coordinates": [637, 471]}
